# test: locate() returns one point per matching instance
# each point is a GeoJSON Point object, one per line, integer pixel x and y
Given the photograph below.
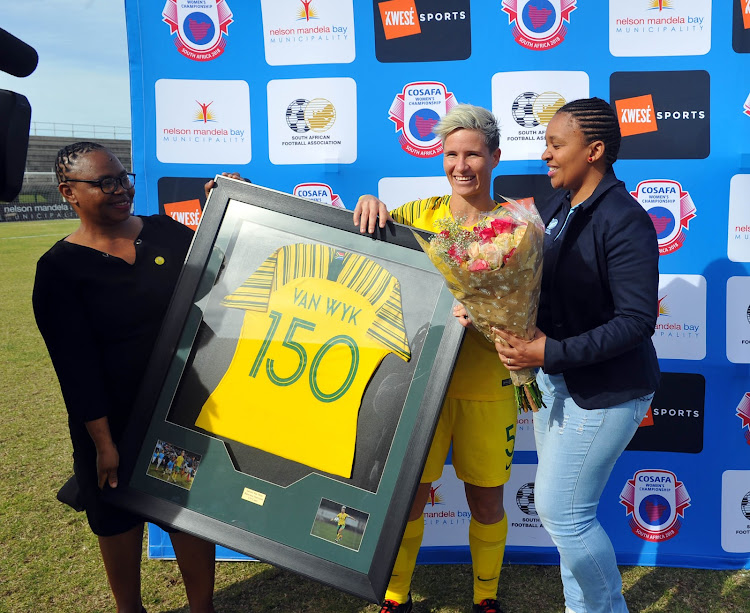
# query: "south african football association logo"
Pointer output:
{"type": "Point", "coordinates": [539, 24]}
{"type": "Point", "coordinates": [304, 115]}
{"type": "Point", "coordinates": [200, 29]}
{"type": "Point", "coordinates": [525, 499]}
{"type": "Point", "coordinates": [530, 109]}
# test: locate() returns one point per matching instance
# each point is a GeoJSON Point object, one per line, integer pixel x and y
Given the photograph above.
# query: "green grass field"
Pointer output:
{"type": "Point", "coordinates": [50, 559]}
{"type": "Point", "coordinates": [327, 530]}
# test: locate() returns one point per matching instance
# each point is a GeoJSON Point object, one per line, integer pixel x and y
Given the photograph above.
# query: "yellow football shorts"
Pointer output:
{"type": "Point", "coordinates": [483, 435]}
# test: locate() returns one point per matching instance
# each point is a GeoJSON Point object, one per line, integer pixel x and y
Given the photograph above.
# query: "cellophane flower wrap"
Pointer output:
{"type": "Point", "coordinates": [495, 271]}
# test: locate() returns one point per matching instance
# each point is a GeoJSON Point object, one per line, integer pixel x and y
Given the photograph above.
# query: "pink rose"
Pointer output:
{"type": "Point", "coordinates": [486, 234]}
{"type": "Point", "coordinates": [503, 225]}
{"type": "Point", "coordinates": [477, 265]}
{"type": "Point", "coordinates": [508, 255]}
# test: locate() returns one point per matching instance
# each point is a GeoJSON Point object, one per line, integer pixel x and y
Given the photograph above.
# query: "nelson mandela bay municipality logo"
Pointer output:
{"type": "Point", "coordinates": [539, 24]}
{"type": "Point", "coordinates": [440, 510]}
{"type": "Point", "coordinates": [659, 27]}
{"type": "Point", "coordinates": [199, 28]}
{"type": "Point", "coordinates": [309, 26]}
{"type": "Point", "coordinates": [655, 501]}
{"type": "Point", "coordinates": [416, 111]}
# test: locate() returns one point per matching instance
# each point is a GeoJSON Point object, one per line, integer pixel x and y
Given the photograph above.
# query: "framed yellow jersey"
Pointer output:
{"type": "Point", "coordinates": [318, 321]}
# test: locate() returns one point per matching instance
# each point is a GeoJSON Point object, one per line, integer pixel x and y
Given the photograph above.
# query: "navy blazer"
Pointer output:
{"type": "Point", "coordinates": [602, 301]}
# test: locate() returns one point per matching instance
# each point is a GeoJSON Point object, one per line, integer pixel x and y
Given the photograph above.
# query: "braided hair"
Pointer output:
{"type": "Point", "coordinates": [597, 120]}
{"type": "Point", "coordinates": [69, 155]}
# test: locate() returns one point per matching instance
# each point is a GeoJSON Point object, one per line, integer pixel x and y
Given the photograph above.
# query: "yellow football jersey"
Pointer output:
{"type": "Point", "coordinates": [341, 518]}
{"type": "Point", "coordinates": [479, 373]}
{"type": "Point", "coordinates": [318, 322]}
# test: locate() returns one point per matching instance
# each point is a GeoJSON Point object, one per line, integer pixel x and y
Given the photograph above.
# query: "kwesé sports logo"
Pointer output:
{"type": "Point", "coordinates": [400, 18]}
{"type": "Point", "coordinates": [636, 115]}
{"type": "Point", "coordinates": [422, 30]}
{"type": "Point", "coordinates": [663, 114]}
{"type": "Point", "coordinates": [187, 212]}
{"type": "Point", "coordinates": [741, 26]}
{"type": "Point", "coordinates": [675, 419]}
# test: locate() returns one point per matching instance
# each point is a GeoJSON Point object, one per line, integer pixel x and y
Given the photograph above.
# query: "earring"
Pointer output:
{"type": "Point", "coordinates": [591, 159]}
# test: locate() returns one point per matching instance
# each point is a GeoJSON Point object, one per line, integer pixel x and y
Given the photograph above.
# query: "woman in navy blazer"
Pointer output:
{"type": "Point", "coordinates": [597, 312]}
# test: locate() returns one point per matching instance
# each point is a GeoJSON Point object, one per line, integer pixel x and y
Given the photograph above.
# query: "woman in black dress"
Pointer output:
{"type": "Point", "coordinates": [100, 295]}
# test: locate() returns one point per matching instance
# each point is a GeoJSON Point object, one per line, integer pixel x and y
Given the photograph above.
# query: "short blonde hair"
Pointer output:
{"type": "Point", "coordinates": [470, 117]}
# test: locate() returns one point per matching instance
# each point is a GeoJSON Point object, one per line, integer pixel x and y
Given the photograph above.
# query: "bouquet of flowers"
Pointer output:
{"type": "Point", "coordinates": [495, 271]}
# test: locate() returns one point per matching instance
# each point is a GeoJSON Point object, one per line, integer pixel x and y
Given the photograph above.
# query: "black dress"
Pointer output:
{"type": "Point", "coordinates": [100, 317]}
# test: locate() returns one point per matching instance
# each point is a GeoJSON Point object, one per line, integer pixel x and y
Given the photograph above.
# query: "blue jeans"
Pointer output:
{"type": "Point", "coordinates": [577, 450]}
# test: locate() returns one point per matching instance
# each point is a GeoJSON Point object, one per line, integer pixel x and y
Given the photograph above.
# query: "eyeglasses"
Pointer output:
{"type": "Point", "coordinates": [109, 184]}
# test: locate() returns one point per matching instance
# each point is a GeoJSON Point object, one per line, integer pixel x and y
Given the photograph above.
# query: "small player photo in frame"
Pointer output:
{"type": "Point", "coordinates": [342, 525]}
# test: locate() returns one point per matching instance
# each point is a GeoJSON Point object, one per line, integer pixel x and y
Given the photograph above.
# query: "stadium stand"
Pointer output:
{"type": "Point", "coordinates": [39, 198]}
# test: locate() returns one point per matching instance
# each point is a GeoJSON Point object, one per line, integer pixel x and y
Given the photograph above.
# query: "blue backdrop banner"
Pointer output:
{"type": "Point", "coordinates": [332, 99]}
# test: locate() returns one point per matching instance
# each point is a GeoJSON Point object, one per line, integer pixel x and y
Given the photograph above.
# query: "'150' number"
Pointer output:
{"type": "Point", "coordinates": [301, 324]}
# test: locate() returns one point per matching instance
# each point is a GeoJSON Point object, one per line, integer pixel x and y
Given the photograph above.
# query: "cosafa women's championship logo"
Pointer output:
{"type": "Point", "coordinates": [539, 24]}
{"type": "Point", "coordinates": [416, 111]}
{"type": "Point", "coordinates": [670, 209]}
{"type": "Point", "coordinates": [743, 408]}
{"type": "Point", "coordinates": [318, 192]}
{"type": "Point", "coordinates": [200, 28]}
{"type": "Point", "coordinates": [655, 501]}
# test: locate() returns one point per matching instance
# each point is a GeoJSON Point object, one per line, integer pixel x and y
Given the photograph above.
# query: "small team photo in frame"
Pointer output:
{"type": "Point", "coordinates": [337, 523]}
{"type": "Point", "coordinates": [173, 464]}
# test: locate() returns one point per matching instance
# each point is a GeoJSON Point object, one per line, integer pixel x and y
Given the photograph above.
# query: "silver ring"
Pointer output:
{"type": "Point", "coordinates": [507, 361]}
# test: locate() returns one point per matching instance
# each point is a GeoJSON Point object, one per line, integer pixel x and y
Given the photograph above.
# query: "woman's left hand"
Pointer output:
{"type": "Point", "coordinates": [210, 184]}
{"type": "Point", "coordinates": [460, 313]}
{"type": "Point", "coordinates": [517, 353]}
